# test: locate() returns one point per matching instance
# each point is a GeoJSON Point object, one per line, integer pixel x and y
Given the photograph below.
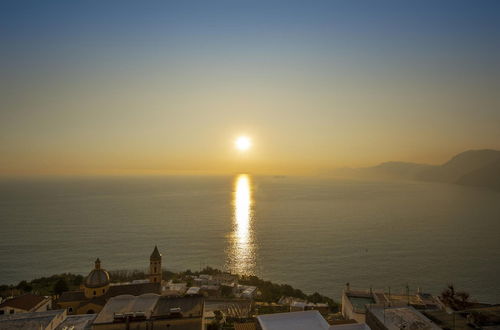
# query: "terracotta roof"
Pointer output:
{"type": "Point", "coordinates": [244, 326]}
{"type": "Point", "coordinates": [25, 302]}
{"type": "Point", "coordinates": [72, 296]}
{"type": "Point", "coordinates": [100, 301]}
{"type": "Point", "coordinates": [133, 289]}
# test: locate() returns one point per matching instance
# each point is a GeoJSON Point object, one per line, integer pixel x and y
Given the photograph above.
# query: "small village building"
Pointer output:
{"type": "Point", "coordinates": [296, 306]}
{"type": "Point", "coordinates": [396, 318]}
{"type": "Point", "coordinates": [232, 309]}
{"type": "Point", "coordinates": [194, 290]}
{"type": "Point", "coordinates": [151, 311]}
{"type": "Point", "coordinates": [25, 303]}
{"type": "Point", "coordinates": [210, 290]}
{"type": "Point", "coordinates": [356, 302]}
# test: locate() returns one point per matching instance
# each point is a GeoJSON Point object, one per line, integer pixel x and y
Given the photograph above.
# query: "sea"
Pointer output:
{"type": "Point", "coordinates": [316, 234]}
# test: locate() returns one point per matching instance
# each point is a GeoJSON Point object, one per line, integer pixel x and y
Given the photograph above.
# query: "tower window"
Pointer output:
{"type": "Point", "coordinates": [95, 293]}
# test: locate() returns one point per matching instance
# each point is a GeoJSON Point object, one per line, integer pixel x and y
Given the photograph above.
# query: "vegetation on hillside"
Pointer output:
{"type": "Point", "coordinates": [56, 284]}
{"type": "Point", "coordinates": [46, 286]}
{"type": "Point", "coordinates": [457, 300]}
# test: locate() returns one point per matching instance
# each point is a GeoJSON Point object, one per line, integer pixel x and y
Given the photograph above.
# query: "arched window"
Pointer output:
{"type": "Point", "coordinates": [70, 309]}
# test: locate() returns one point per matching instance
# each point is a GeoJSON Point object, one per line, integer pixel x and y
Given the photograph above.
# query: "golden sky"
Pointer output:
{"type": "Point", "coordinates": [316, 87]}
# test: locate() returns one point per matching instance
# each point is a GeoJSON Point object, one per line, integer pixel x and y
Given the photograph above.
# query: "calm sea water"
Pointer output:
{"type": "Point", "coordinates": [312, 233]}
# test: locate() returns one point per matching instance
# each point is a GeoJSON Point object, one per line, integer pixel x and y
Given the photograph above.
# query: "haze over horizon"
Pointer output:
{"type": "Point", "coordinates": [120, 87]}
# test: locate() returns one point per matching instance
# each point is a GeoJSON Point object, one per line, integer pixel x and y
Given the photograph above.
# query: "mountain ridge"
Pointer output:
{"type": "Point", "coordinates": [477, 167]}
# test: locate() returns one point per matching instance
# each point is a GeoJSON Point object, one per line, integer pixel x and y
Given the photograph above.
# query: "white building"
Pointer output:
{"type": "Point", "coordinates": [311, 320]}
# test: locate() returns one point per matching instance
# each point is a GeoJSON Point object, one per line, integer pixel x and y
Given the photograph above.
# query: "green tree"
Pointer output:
{"type": "Point", "coordinates": [24, 286]}
{"type": "Point", "coordinates": [60, 286]}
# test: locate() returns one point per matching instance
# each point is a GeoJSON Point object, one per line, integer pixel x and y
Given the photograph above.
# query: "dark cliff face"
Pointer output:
{"type": "Point", "coordinates": [459, 166]}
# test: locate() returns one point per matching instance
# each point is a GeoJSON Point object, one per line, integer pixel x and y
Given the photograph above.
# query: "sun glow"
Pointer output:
{"type": "Point", "coordinates": [243, 143]}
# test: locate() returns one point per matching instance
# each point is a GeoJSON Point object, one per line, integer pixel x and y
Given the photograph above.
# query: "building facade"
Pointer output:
{"type": "Point", "coordinates": [97, 288]}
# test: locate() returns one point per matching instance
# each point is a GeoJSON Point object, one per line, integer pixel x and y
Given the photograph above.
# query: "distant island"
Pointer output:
{"type": "Point", "coordinates": [479, 168]}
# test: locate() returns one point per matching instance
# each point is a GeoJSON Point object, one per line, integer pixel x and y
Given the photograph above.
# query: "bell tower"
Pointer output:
{"type": "Point", "coordinates": [155, 266]}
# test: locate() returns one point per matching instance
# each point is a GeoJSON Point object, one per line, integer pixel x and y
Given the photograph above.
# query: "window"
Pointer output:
{"type": "Point", "coordinates": [155, 270]}
{"type": "Point", "coordinates": [70, 309]}
{"type": "Point", "coordinates": [102, 290]}
{"type": "Point", "coordinates": [2, 312]}
{"type": "Point", "coordinates": [95, 293]}
{"type": "Point", "coordinates": [12, 311]}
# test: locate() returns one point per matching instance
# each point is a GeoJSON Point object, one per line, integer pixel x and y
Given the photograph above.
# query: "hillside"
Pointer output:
{"type": "Point", "coordinates": [479, 168]}
{"type": "Point", "coordinates": [459, 166]}
{"type": "Point", "coordinates": [487, 176]}
{"type": "Point", "coordinates": [385, 171]}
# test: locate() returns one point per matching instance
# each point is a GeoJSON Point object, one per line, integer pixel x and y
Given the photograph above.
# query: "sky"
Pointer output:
{"type": "Point", "coordinates": [165, 87]}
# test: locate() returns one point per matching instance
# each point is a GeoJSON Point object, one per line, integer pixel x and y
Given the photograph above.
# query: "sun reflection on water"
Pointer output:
{"type": "Point", "coordinates": [241, 258]}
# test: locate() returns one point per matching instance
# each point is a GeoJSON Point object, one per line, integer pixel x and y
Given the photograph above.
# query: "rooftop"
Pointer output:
{"type": "Point", "coordinates": [188, 306]}
{"type": "Point", "coordinates": [149, 306]}
{"type": "Point", "coordinates": [35, 320]}
{"type": "Point", "coordinates": [126, 304]}
{"type": "Point", "coordinates": [25, 302]}
{"type": "Point", "coordinates": [394, 318]}
{"type": "Point", "coordinates": [230, 307]}
{"type": "Point", "coordinates": [311, 320]}
{"type": "Point", "coordinates": [361, 298]}
{"type": "Point", "coordinates": [451, 321]}
{"type": "Point", "coordinates": [350, 326]}
{"type": "Point", "coordinates": [77, 322]}
{"type": "Point", "coordinates": [156, 254]}
{"type": "Point", "coordinates": [244, 326]}
{"type": "Point", "coordinates": [135, 289]}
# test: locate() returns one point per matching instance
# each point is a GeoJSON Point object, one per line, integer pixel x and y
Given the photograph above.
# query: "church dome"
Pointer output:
{"type": "Point", "coordinates": [98, 277]}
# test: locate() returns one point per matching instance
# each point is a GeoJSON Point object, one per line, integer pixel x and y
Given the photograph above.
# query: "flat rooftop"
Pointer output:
{"type": "Point", "coordinates": [395, 318]}
{"type": "Point", "coordinates": [77, 322]}
{"type": "Point", "coordinates": [33, 320]}
{"type": "Point", "coordinates": [189, 306]}
{"type": "Point", "coordinates": [311, 320]}
{"type": "Point", "coordinates": [127, 304]}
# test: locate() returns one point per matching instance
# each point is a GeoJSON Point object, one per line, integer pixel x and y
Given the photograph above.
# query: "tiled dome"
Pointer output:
{"type": "Point", "coordinates": [98, 277]}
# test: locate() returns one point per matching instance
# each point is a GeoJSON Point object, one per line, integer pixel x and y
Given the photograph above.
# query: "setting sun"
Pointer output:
{"type": "Point", "coordinates": [243, 143]}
